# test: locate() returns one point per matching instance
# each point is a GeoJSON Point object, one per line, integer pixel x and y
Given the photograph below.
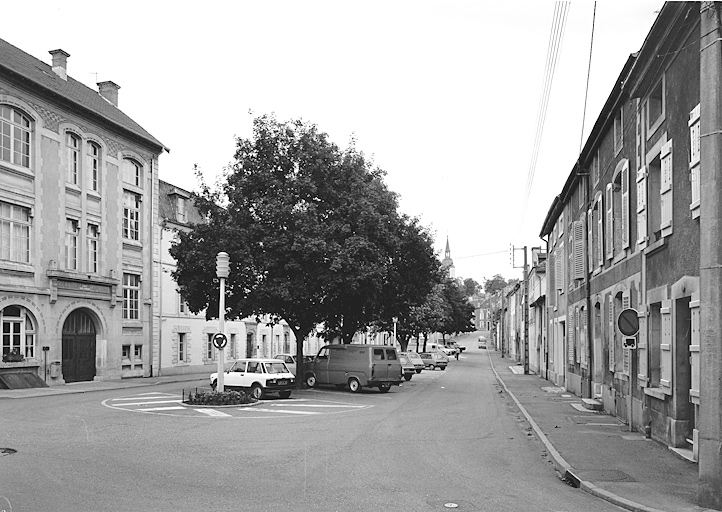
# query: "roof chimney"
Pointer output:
{"type": "Point", "coordinates": [109, 91]}
{"type": "Point", "coordinates": [60, 63]}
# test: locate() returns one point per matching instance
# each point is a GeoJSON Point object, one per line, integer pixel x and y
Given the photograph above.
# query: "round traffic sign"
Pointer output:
{"type": "Point", "coordinates": [219, 340]}
{"type": "Point", "coordinates": [628, 322]}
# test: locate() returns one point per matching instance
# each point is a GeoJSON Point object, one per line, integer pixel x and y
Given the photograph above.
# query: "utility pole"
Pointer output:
{"type": "Point", "coordinates": [525, 306]}
{"type": "Point", "coordinates": [710, 273]}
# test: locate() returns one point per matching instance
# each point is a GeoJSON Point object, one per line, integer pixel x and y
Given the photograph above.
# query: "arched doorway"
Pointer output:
{"type": "Point", "coordinates": [78, 347]}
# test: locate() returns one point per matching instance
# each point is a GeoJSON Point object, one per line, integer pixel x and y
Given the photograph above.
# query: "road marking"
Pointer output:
{"type": "Point", "coordinates": [145, 398]}
{"type": "Point", "coordinates": [317, 405]}
{"type": "Point", "coordinates": [173, 408]}
{"type": "Point", "coordinates": [151, 403]}
{"type": "Point", "coordinates": [254, 409]}
{"type": "Point", "coordinates": [212, 412]}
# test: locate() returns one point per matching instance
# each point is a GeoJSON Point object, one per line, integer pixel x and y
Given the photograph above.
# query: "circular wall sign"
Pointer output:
{"type": "Point", "coordinates": [628, 322]}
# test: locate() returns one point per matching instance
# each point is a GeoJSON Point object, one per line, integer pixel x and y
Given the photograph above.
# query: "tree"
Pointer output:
{"type": "Point", "coordinates": [471, 287]}
{"type": "Point", "coordinates": [460, 310]}
{"type": "Point", "coordinates": [313, 234]}
{"type": "Point", "coordinates": [495, 284]}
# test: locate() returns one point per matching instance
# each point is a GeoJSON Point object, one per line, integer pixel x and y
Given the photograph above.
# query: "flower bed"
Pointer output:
{"type": "Point", "coordinates": [219, 398]}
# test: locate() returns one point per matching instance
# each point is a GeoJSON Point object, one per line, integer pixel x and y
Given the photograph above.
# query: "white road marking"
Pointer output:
{"type": "Point", "coordinates": [212, 412]}
{"type": "Point", "coordinates": [148, 403]}
{"type": "Point", "coordinates": [173, 408]}
{"type": "Point", "coordinates": [145, 397]}
{"type": "Point", "coordinates": [317, 405]}
{"type": "Point", "coordinates": [254, 409]}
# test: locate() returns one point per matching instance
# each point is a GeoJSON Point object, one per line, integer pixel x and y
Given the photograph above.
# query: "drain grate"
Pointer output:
{"type": "Point", "coordinates": [7, 451]}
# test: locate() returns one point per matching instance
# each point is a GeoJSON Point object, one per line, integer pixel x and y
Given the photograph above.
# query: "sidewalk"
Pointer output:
{"type": "Point", "coordinates": [596, 451]}
{"type": "Point", "coordinates": [199, 379]}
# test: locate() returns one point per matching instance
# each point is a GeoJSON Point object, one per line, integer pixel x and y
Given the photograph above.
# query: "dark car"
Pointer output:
{"type": "Point", "coordinates": [433, 360]}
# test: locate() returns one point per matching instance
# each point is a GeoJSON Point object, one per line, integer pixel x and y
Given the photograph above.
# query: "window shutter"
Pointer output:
{"type": "Point", "coordinates": [578, 341]}
{"type": "Point", "coordinates": [590, 240]}
{"type": "Point", "coordinates": [600, 233]}
{"type": "Point", "coordinates": [610, 311]}
{"type": "Point", "coordinates": [642, 206]}
{"type": "Point", "coordinates": [558, 276]}
{"type": "Point", "coordinates": [584, 337]}
{"type": "Point", "coordinates": [665, 354]}
{"type": "Point", "coordinates": [570, 335]}
{"type": "Point", "coordinates": [609, 239]}
{"type": "Point", "coordinates": [666, 188]}
{"type": "Point", "coordinates": [578, 231]}
{"type": "Point", "coordinates": [625, 206]}
{"type": "Point", "coordinates": [694, 161]}
{"type": "Point", "coordinates": [694, 349]}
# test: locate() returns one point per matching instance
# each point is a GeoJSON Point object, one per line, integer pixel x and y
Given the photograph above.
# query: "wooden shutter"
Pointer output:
{"type": "Point", "coordinates": [666, 188]}
{"type": "Point", "coordinates": [584, 338]}
{"type": "Point", "coordinates": [694, 353]}
{"type": "Point", "coordinates": [570, 335]}
{"type": "Point", "coordinates": [665, 353]}
{"type": "Point", "coordinates": [625, 206]}
{"type": "Point", "coordinates": [578, 237]}
{"type": "Point", "coordinates": [600, 232]}
{"type": "Point", "coordinates": [626, 353]}
{"type": "Point", "coordinates": [558, 271]}
{"type": "Point", "coordinates": [590, 240]}
{"type": "Point", "coordinates": [610, 312]}
{"type": "Point", "coordinates": [642, 347]}
{"type": "Point", "coordinates": [642, 206]}
{"type": "Point", "coordinates": [609, 239]}
{"type": "Point", "coordinates": [578, 329]}
{"type": "Point", "coordinates": [694, 161]}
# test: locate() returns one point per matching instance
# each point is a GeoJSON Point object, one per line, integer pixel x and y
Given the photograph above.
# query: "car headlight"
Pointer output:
{"type": "Point", "coordinates": [271, 381]}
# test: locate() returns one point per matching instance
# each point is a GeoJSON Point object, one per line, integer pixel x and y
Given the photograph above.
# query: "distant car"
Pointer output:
{"type": "Point", "coordinates": [482, 342]}
{"type": "Point", "coordinates": [259, 376]}
{"type": "Point", "coordinates": [415, 360]}
{"type": "Point", "coordinates": [449, 351]}
{"type": "Point", "coordinates": [433, 360]}
{"type": "Point", "coordinates": [290, 360]}
{"type": "Point", "coordinates": [452, 344]}
{"type": "Point", "coordinates": [406, 366]}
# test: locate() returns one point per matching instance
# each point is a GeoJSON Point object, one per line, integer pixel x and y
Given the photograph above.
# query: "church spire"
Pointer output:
{"type": "Point", "coordinates": [447, 262]}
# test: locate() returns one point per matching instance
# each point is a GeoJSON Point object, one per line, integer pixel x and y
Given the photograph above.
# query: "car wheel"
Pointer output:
{"type": "Point", "coordinates": [407, 376]}
{"type": "Point", "coordinates": [311, 380]}
{"type": "Point", "coordinates": [284, 394]}
{"type": "Point", "coordinates": [384, 388]}
{"type": "Point", "coordinates": [442, 368]}
{"type": "Point", "coordinates": [257, 391]}
{"type": "Point", "coordinates": [214, 385]}
{"type": "Point", "coordinates": [354, 385]}
{"type": "Point", "coordinates": [432, 367]}
{"type": "Point", "coordinates": [418, 371]}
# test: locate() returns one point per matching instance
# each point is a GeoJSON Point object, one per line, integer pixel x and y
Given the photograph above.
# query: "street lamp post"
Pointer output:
{"type": "Point", "coordinates": [222, 263]}
{"type": "Point", "coordinates": [395, 319]}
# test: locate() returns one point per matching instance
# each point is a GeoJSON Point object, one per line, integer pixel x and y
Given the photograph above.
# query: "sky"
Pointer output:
{"type": "Point", "coordinates": [442, 95]}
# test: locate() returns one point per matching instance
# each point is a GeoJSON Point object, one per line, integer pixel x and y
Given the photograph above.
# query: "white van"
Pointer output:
{"type": "Point", "coordinates": [439, 347]}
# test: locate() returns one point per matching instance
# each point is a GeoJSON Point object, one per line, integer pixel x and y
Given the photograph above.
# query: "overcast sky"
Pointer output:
{"type": "Point", "coordinates": [442, 95]}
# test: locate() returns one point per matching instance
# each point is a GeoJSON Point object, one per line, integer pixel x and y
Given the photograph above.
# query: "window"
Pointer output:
{"type": "Point", "coordinates": [14, 233]}
{"type": "Point", "coordinates": [72, 144]}
{"type": "Point", "coordinates": [125, 352]}
{"type": "Point", "coordinates": [131, 216]}
{"type": "Point", "coordinates": [15, 128]}
{"type": "Point", "coordinates": [71, 244]}
{"type": "Point", "coordinates": [131, 172]}
{"type": "Point", "coordinates": [92, 256]}
{"type": "Point", "coordinates": [131, 296]}
{"type": "Point", "coordinates": [232, 347]}
{"type": "Point", "coordinates": [139, 352]}
{"type": "Point", "coordinates": [694, 159]}
{"type": "Point", "coordinates": [654, 108]}
{"type": "Point", "coordinates": [378, 354]}
{"type": "Point", "coordinates": [181, 347]}
{"type": "Point", "coordinates": [180, 208]}
{"type": "Point", "coordinates": [210, 349]}
{"type": "Point", "coordinates": [93, 159]}
{"type": "Point", "coordinates": [659, 194]}
{"type": "Point", "coordinates": [618, 131]}
{"type": "Point", "coordinates": [618, 207]}
{"type": "Point", "coordinates": [595, 169]}
{"type": "Point", "coordinates": [18, 331]}
{"type": "Point", "coordinates": [182, 308]}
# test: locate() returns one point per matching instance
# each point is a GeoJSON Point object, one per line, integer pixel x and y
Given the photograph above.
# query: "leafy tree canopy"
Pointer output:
{"type": "Point", "coordinates": [471, 287]}
{"type": "Point", "coordinates": [495, 284]}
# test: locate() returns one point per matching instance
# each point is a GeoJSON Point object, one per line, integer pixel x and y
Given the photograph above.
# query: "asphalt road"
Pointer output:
{"type": "Point", "coordinates": [445, 439]}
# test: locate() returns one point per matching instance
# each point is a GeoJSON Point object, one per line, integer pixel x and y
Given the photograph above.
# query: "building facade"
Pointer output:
{"type": "Point", "coordinates": [77, 207]}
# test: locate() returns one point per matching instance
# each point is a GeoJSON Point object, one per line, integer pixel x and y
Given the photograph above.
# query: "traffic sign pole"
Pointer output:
{"type": "Point", "coordinates": [222, 261]}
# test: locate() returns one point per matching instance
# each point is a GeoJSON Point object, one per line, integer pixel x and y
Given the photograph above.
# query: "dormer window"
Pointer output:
{"type": "Point", "coordinates": [181, 212]}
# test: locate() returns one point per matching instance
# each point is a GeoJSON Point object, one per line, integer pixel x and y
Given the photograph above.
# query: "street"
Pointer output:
{"type": "Point", "coordinates": [445, 437]}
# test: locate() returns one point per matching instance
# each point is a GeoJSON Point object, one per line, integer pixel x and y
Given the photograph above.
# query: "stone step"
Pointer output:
{"type": "Point", "coordinates": [591, 403]}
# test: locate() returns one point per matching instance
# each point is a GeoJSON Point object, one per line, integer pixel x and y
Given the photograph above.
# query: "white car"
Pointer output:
{"type": "Point", "coordinates": [260, 376]}
{"type": "Point", "coordinates": [290, 360]}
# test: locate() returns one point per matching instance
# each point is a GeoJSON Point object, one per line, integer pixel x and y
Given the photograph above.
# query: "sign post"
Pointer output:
{"type": "Point", "coordinates": [222, 264]}
{"type": "Point", "coordinates": [628, 323]}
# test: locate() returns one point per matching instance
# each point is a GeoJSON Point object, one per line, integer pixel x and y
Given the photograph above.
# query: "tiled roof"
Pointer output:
{"type": "Point", "coordinates": [42, 74]}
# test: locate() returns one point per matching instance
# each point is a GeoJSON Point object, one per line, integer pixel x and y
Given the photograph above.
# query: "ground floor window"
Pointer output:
{"type": "Point", "coordinates": [18, 331]}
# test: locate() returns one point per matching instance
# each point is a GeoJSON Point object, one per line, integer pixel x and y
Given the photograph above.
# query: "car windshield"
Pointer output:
{"type": "Point", "coordinates": [276, 367]}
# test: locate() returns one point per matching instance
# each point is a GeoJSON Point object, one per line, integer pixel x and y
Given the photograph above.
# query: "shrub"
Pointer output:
{"type": "Point", "coordinates": [219, 398]}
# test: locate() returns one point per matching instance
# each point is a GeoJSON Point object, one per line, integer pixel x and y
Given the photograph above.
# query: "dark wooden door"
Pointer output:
{"type": "Point", "coordinates": [78, 347]}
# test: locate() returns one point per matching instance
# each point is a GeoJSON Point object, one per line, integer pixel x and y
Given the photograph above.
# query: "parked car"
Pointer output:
{"type": "Point", "coordinates": [482, 342]}
{"type": "Point", "coordinates": [259, 376]}
{"type": "Point", "coordinates": [355, 365]}
{"type": "Point", "coordinates": [406, 366]}
{"type": "Point", "coordinates": [290, 360]}
{"type": "Point", "coordinates": [415, 360]}
{"type": "Point", "coordinates": [433, 360]}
